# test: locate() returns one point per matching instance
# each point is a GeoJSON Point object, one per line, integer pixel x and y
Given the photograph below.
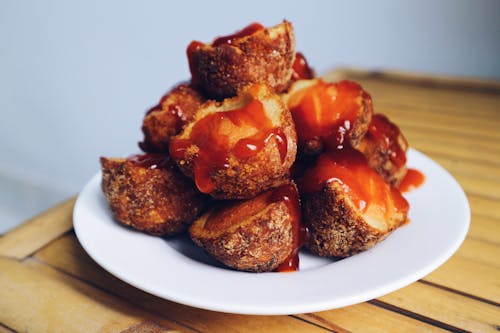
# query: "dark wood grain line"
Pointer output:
{"type": "Point", "coordinates": [417, 316]}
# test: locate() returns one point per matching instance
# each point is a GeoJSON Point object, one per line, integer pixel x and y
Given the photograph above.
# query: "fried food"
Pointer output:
{"type": "Point", "coordinates": [148, 193]}
{"type": "Point", "coordinates": [256, 235]}
{"type": "Point", "coordinates": [252, 55]}
{"type": "Point", "coordinates": [384, 146]}
{"type": "Point", "coordinates": [240, 147]}
{"type": "Point", "coordinates": [328, 114]}
{"type": "Point", "coordinates": [347, 206]}
{"type": "Point", "coordinates": [168, 117]}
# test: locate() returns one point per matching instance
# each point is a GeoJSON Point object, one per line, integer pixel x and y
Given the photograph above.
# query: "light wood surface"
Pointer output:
{"type": "Point", "coordinates": [49, 284]}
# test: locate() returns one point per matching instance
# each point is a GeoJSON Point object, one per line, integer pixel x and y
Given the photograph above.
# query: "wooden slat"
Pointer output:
{"type": "Point", "coordinates": [148, 327]}
{"type": "Point", "coordinates": [481, 252]}
{"type": "Point", "coordinates": [4, 329]}
{"type": "Point", "coordinates": [366, 317]}
{"type": "Point", "coordinates": [444, 103]}
{"type": "Point", "coordinates": [37, 232]}
{"type": "Point", "coordinates": [35, 298]}
{"type": "Point", "coordinates": [468, 276]}
{"type": "Point", "coordinates": [466, 167]}
{"type": "Point", "coordinates": [446, 123]}
{"type": "Point", "coordinates": [431, 148]}
{"type": "Point", "coordinates": [415, 132]}
{"type": "Point", "coordinates": [67, 255]}
{"type": "Point", "coordinates": [479, 186]}
{"type": "Point", "coordinates": [446, 307]}
{"type": "Point", "coordinates": [484, 206]}
{"type": "Point", "coordinates": [416, 80]}
{"type": "Point", "coordinates": [485, 229]}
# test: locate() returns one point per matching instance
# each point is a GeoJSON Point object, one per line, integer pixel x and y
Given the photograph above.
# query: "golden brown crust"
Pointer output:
{"type": "Point", "coordinates": [336, 228]}
{"type": "Point", "coordinates": [175, 109]}
{"type": "Point", "coordinates": [245, 178]}
{"type": "Point", "coordinates": [265, 56]}
{"type": "Point", "coordinates": [253, 235]}
{"type": "Point", "coordinates": [380, 157]}
{"type": "Point", "coordinates": [158, 201]}
{"type": "Point", "coordinates": [360, 126]}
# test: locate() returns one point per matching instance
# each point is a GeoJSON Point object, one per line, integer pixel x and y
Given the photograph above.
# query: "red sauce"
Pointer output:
{"type": "Point", "coordinates": [248, 147]}
{"type": "Point", "coordinates": [175, 110]}
{"type": "Point", "coordinates": [301, 69]}
{"type": "Point", "coordinates": [362, 184]}
{"type": "Point", "coordinates": [213, 135]}
{"type": "Point", "coordinates": [412, 180]}
{"type": "Point", "coordinates": [386, 134]}
{"type": "Point", "coordinates": [327, 111]}
{"type": "Point", "coordinates": [247, 31]}
{"type": "Point", "coordinates": [288, 194]}
{"type": "Point", "coordinates": [151, 160]}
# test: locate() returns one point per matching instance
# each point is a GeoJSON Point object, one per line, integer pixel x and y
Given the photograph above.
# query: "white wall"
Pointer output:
{"type": "Point", "coordinates": [76, 77]}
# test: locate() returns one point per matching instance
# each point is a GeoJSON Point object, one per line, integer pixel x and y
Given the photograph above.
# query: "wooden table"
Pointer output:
{"type": "Point", "coordinates": [49, 284]}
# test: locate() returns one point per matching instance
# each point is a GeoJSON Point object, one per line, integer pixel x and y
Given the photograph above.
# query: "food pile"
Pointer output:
{"type": "Point", "coordinates": [255, 158]}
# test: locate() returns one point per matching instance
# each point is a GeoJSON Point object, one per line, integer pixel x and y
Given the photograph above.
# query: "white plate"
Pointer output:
{"type": "Point", "coordinates": [177, 270]}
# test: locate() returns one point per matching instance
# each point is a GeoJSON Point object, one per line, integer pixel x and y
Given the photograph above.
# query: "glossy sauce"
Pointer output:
{"type": "Point", "coordinates": [386, 134]}
{"type": "Point", "coordinates": [327, 111]}
{"type": "Point", "coordinates": [213, 135]}
{"type": "Point", "coordinates": [301, 69]}
{"type": "Point", "coordinates": [362, 184]}
{"type": "Point", "coordinates": [151, 161]}
{"type": "Point", "coordinates": [289, 195]}
{"type": "Point", "coordinates": [412, 180]}
{"type": "Point", "coordinates": [178, 114]}
{"type": "Point", "coordinates": [247, 31]}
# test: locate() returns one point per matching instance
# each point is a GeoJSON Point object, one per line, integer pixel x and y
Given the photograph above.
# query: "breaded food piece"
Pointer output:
{"type": "Point", "coordinates": [255, 235]}
{"type": "Point", "coordinates": [347, 206]}
{"type": "Point", "coordinates": [252, 55]}
{"type": "Point", "coordinates": [328, 114]}
{"type": "Point", "coordinates": [148, 193]}
{"type": "Point", "coordinates": [168, 117]}
{"type": "Point", "coordinates": [240, 147]}
{"type": "Point", "coordinates": [384, 146]}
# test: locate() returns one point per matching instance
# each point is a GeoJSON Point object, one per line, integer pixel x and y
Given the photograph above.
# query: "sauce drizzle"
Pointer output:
{"type": "Point", "coordinates": [412, 180]}
{"type": "Point", "coordinates": [386, 134]}
{"type": "Point", "coordinates": [327, 111]}
{"type": "Point", "coordinates": [229, 39]}
{"type": "Point", "coordinates": [288, 194]}
{"type": "Point", "coordinates": [151, 160]}
{"type": "Point", "coordinates": [216, 136]}
{"type": "Point", "coordinates": [301, 69]}
{"type": "Point", "coordinates": [362, 184]}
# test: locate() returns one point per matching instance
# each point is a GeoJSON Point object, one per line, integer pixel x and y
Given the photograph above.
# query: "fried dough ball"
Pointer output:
{"type": "Point", "coordinates": [328, 114]}
{"type": "Point", "coordinates": [168, 117]}
{"type": "Point", "coordinates": [240, 147]}
{"type": "Point", "coordinates": [384, 146]}
{"type": "Point", "coordinates": [255, 235]}
{"type": "Point", "coordinates": [347, 206]}
{"type": "Point", "coordinates": [148, 193]}
{"type": "Point", "coordinates": [252, 55]}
